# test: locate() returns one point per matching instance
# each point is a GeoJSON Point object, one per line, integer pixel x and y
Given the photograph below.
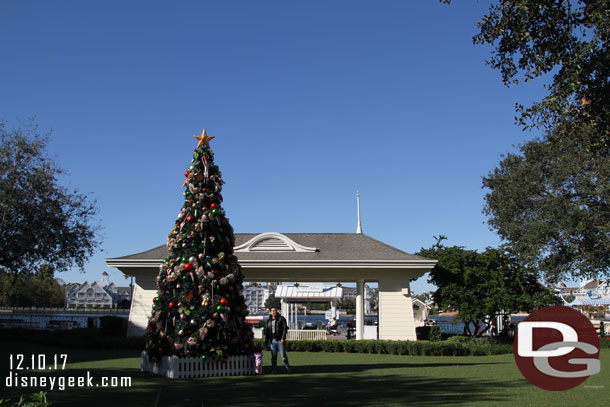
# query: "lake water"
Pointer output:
{"type": "Point", "coordinates": [448, 325]}
{"type": "Point", "coordinates": [320, 320]}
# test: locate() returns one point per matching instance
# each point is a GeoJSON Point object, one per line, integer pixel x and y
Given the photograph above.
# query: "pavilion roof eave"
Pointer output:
{"type": "Point", "coordinates": [382, 264]}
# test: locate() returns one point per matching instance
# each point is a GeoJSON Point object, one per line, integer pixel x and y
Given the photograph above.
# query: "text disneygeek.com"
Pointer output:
{"type": "Point", "coordinates": [61, 382]}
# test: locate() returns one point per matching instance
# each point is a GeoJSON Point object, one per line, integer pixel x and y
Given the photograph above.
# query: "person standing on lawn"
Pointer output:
{"type": "Point", "coordinates": [275, 337]}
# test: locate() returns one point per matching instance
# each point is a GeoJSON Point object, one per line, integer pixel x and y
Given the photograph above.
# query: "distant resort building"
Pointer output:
{"type": "Point", "coordinates": [592, 298]}
{"type": "Point", "coordinates": [94, 295]}
{"type": "Point", "coordinates": [256, 295]}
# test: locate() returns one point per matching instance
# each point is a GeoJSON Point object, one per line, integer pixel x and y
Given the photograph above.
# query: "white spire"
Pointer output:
{"type": "Point", "coordinates": [359, 229]}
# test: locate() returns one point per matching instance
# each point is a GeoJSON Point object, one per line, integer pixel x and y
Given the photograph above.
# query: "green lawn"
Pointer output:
{"type": "Point", "coordinates": [318, 379]}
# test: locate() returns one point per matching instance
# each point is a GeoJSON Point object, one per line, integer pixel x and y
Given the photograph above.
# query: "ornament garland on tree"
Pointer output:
{"type": "Point", "coordinates": [199, 310]}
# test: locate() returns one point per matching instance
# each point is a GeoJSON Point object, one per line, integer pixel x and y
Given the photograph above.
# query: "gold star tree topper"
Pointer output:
{"type": "Point", "coordinates": [203, 139]}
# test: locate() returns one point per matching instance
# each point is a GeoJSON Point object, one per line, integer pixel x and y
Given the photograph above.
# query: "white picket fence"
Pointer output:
{"type": "Point", "coordinates": [182, 368]}
{"type": "Point", "coordinates": [305, 335]}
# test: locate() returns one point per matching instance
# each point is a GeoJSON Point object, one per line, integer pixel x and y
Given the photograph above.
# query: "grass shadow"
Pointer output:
{"type": "Point", "coordinates": [75, 355]}
{"type": "Point", "coordinates": [301, 389]}
{"type": "Point", "coordinates": [355, 368]}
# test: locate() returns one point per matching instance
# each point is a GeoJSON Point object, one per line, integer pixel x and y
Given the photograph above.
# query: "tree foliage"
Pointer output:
{"type": "Point", "coordinates": [40, 220]}
{"type": "Point", "coordinates": [552, 203]}
{"type": "Point", "coordinates": [272, 302]}
{"type": "Point", "coordinates": [483, 285]}
{"type": "Point", "coordinates": [566, 43]}
{"type": "Point", "coordinates": [348, 304]}
{"type": "Point", "coordinates": [38, 289]}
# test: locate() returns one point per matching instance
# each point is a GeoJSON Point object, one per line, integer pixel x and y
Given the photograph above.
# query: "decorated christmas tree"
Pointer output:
{"type": "Point", "coordinates": [199, 310]}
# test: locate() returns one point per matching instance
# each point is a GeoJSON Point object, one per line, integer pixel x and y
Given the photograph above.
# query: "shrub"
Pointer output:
{"type": "Point", "coordinates": [36, 400]}
{"type": "Point", "coordinates": [328, 346]}
{"type": "Point", "coordinates": [428, 333]}
{"type": "Point", "coordinates": [392, 348]}
{"type": "Point", "coordinates": [423, 333]}
{"type": "Point", "coordinates": [380, 347]}
{"type": "Point", "coordinates": [112, 325]}
{"type": "Point", "coordinates": [367, 346]}
{"type": "Point", "coordinates": [349, 346]}
{"type": "Point", "coordinates": [435, 333]}
{"type": "Point", "coordinates": [459, 339]}
{"type": "Point", "coordinates": [303, 346]}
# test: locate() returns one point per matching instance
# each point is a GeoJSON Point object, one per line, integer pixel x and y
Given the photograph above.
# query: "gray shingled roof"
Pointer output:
{"type": "Point", "coordinates": [332, 246]}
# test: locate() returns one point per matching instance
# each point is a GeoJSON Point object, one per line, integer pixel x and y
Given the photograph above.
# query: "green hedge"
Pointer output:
{"type": "Point", "coordinates": [467, 347]}
{"type": "Point", "coordinates": [428, 333]}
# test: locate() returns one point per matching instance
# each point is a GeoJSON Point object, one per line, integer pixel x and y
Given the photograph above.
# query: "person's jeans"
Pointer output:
{"type": "Point", "coordinates": [275, 346]}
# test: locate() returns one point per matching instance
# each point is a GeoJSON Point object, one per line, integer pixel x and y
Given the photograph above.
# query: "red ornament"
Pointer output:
{"type": "Point", "coordinates": [214, 205]}
{"type": "Point", "coordinates": [186, 173]}
{"type": "Point", "coordinates": [188, 267]}
{"type": "Point", "coordinates": [189, 295]}
{"type": "Point", "coordinates": [214, 271]}
{"type": "Point", "coordinates": [189, 218]}
{"type": "Point", "coordinates": [171, 304]}
{"type": "Point", "coordinates": [223, 302]}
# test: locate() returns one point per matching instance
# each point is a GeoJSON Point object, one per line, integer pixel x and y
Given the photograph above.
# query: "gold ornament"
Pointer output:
{"type": "Point", "coordinates": [204, 139]}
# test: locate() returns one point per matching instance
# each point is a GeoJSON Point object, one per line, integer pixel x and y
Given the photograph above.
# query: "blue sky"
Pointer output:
{"type": "Point", "coordinates": [309, 102]}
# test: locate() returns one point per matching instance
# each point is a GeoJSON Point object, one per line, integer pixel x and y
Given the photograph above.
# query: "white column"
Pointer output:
{"type": "Point", "coordinates": [284, 310]}
{"type": "Point", "coordinates": [359, 309]}
{"type": "Point", "coordinates": [333, 309]}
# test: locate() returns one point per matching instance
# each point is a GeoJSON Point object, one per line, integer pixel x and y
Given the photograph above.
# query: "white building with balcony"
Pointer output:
{"type": "Point", "coordinates": [93, 295]}
{"type": "Point", "coordinates": [256, 295]}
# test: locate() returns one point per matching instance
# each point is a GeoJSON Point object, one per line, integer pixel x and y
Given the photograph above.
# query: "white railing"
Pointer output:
{"type": "Point", "coordinates": [305, 335]}
{"type": "Point", "coordinates": [180, 368]}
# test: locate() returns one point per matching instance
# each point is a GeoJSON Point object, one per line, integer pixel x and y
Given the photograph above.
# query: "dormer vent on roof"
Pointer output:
{"type": "Point", "coordinates": [272, 242]}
